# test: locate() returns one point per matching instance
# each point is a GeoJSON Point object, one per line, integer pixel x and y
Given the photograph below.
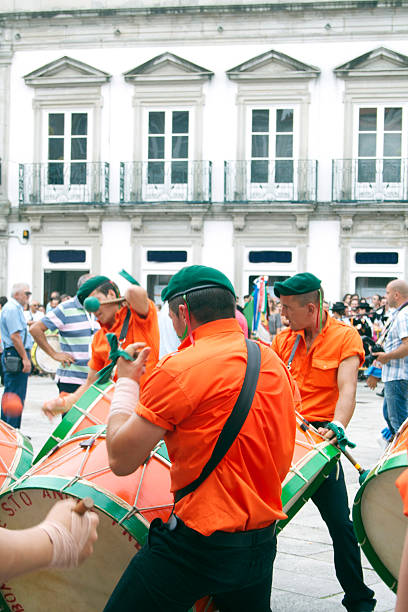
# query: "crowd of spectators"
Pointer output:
{"type": "Point", "coordinates": [368, 315]}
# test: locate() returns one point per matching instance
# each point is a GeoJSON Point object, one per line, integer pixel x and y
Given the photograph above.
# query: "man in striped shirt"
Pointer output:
{"type": "Point", "coordinates": [76, 328]}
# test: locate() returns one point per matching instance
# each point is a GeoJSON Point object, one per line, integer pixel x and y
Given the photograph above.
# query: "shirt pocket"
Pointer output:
{"type": "Point", "coordinates": [324, 372]}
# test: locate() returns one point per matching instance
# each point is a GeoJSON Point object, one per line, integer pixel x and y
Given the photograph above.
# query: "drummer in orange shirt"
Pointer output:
{"type": "Point", "coordinates": [221, 539]}
{"type": "Point", "coordinates": [135, 319]}
{"type": "Point", "coordinates": [324, 355]}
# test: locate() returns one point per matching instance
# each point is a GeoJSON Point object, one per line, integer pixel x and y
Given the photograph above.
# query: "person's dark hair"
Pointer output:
{"type": "Point", "coordinates": [208, 304]}
{"type": "Point", "coordinates": [3, 300]}
{"type": "Point", "coordinates": [105, 288]}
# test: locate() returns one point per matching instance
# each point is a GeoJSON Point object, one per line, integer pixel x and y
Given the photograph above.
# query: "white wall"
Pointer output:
{"type": "Point", "coordinates": [323, 257]}
{"type": "Point", "coordinates": [218, 249]}
{"type": "Point", "coordinates": [116, 251]}
{"type": "Point", "coordinates": [19, 258]}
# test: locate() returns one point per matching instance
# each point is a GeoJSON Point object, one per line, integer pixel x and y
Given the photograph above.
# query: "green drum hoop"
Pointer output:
{"type": "Point", "coordinates": [23, 456]}
{"type": "Point", "coordinates": [378, 518]}
{"type": "Point", "coordinates": [300, 487]}
{"type": "Point", "coordinates": [75, 417]}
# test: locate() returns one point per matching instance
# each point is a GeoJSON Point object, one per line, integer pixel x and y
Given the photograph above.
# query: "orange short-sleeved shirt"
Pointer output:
{"type": "Point", "coordinates": [315, 371]}
{"type": "Point", "coordinates": [402, 484]}
{"type": "Point", "coordinates": [140, 330]}
{"type": "Point", "coordinates": [190, 394]}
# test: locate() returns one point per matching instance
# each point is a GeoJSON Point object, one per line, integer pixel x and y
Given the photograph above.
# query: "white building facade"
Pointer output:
{"type": "Point", "coordinates": [258, 138]}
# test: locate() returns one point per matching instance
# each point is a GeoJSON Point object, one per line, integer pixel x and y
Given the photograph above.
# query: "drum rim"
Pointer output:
{"type": "Point", "coordinates": [398, 460]}
{"type": "Point", "coordinates": [319, 465]}
{"type": "Point", "coordinates": [136, 525]}
{"type": "Point", "coordinates": [22, 460]}
{"type": "Point", "coordinates": [73, 417]}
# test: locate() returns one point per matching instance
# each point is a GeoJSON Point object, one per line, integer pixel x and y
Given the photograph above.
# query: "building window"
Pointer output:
{"type": "Point", "coordinates": [379, 258]}
{"type": "Point", "coordinates": [168, 147]}
{"type": "Point", "coordinates": [272, 132]}
{"type": "Point", "coordinates": [67, 148]}
{"type": "Point", "coordinates": [366, 286]}
{"type": "Point", "coordinates": [155, 285]}
{"type": "Point", "coordinates": [166, 256]}
{"type": "Point", "coordinates": [270, 256]}
{"type": "Point", "coordinates": [66, 256]}
{"type": "Point", "coordinates": [380, 151]}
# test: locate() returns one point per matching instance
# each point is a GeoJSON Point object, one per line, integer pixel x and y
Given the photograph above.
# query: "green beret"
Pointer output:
{"type": "Point", "coordinates": [298, 284]}
{"type": "Point", "coordinates": [90, 285]}
{"type": "Point", "coordinates": [193, 278]}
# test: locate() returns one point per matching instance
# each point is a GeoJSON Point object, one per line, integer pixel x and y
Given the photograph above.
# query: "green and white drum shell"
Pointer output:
{"type": "Point", "coordinates": [16, 455]}
{"type": "Point", "coordinates": [125, 506]}
{"type": "Point", "coordinates": [378, 517]}
{"type": "Point", "coordinates": [91, 409]}
{"type": "Point", "coordinates": [313, 460]}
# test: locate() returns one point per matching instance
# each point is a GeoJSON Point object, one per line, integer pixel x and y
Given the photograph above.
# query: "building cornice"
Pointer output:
{"type": "Point", "coordinates": [202, 6]}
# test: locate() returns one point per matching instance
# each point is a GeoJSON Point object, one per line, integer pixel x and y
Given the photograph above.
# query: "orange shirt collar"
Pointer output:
{"type": "Point", "coordinates": [329, 323]}
{"type": "Point", "coordinates": [221, 326]}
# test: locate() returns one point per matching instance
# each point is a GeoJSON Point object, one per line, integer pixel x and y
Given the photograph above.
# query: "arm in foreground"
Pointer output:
{"type": "Point", "coordinates": [61, 405]}
{"type": "Point", "coordinates": [15, 544]}
{"type": "Point", "coordinates": [129, 437]}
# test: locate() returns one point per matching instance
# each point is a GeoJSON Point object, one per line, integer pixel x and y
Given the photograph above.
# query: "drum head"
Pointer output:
{"type": "Point", "coordinates": [379, 520]}
{"type": "Point", "coordinates": [42, 360]}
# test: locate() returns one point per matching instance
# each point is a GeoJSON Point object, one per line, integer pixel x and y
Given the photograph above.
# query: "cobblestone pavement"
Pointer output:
{"type": "Point", "coordinates": [304, 578]}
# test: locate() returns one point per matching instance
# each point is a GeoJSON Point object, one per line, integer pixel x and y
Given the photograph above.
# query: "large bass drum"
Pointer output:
{"type": "Point", "coordinates": [91, 409]}
{"type": "Point", "coordinates": [378, 514]}
{"type": "Point", "coordinates": [16, 455]}
{"type": "Point", "coordinates": [126, 505]}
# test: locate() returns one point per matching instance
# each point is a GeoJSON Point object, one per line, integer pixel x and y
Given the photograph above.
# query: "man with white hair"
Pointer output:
{"type": "Point", "coordinates": [15, 357]}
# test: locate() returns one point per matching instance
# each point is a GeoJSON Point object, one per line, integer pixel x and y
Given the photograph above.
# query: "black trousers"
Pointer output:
{"type": "Point", "coordinates": [332, 502]}
{"type": "Point", "coordinates": [178, 567]}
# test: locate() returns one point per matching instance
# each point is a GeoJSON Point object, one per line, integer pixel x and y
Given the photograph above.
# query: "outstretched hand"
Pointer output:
{"type": "Point", "coordinates": [134, 369]}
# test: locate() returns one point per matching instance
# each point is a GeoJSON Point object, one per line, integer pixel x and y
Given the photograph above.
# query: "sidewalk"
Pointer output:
{"type": "Point", "coordinates": [304, 578]}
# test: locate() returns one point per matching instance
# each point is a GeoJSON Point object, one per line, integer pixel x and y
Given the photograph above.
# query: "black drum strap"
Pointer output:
{"type": "Point", "coordinates": [125, 327]}
{"type": "Point", "coordinates": [235, 421]}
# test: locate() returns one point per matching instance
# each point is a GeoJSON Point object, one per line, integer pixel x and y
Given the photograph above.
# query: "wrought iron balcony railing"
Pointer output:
{"type": "Point", "coordinates": [372, 180]}
{"type": "Point", "coordinates": [165, 181]}
{"type": "Point", "coordinates": [262, 180]}
{"type": "Point", "coordinates": [63, 183]}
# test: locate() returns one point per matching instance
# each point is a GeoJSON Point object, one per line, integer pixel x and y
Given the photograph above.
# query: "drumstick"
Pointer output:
{"type": "Point", "coordinates": [83, 505]}
{"type": "Point", "coordinates": [92, 304]}
{"type": "Point", "coordinates": [363, 473]}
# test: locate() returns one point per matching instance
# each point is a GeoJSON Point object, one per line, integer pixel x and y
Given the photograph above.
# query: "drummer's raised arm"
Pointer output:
{"type": "Point", "coordinates": [37, 330]}
{"type": "Point", "coordinates": [138, 300]}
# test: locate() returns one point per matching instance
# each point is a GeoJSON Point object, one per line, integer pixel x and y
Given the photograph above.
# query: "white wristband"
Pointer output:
{"type": "Point", "coordinates": [125, 397]}
{"type": "Point", "coordinates": [67, 544]}
{"type": "Point", "coordinates": [339, 424]}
